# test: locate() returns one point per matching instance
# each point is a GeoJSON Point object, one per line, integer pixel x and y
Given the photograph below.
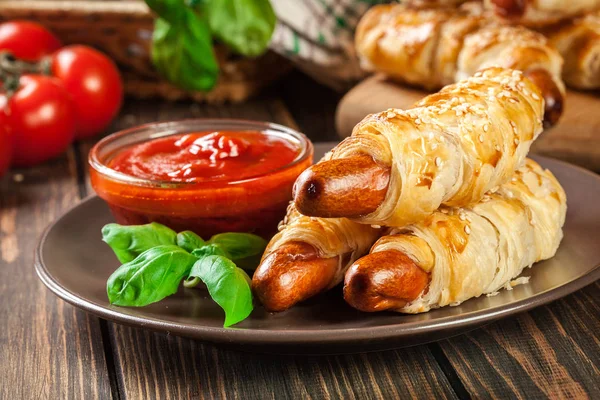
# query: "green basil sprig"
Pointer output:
{"type": "Point", "coordinates": [156, 260]}
{"type": "Point", "coordinates": [227, 284]}
{"type": "Point", "coordinates": [128, 242]}
{"type": "Point", "coordinates": [184, 30]}
{"type": "Point", "coordinates": [152, 276]}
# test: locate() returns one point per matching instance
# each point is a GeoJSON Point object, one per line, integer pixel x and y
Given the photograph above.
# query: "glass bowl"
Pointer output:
{"type": "Point", "coordinates": [254, 204]}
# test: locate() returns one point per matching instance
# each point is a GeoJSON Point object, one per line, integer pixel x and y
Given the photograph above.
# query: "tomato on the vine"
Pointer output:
{"type": "Point", "coordinates": [27, 40]}
{"type": "Point", "coordinates": [94, 83]}
{"type": "Point", "coordinates": [41, 117]}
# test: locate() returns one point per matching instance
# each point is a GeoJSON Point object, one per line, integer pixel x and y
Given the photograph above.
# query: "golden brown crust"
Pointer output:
{"type": "Point", "coordinates": [540, 13]}
{"type": "Point", "coordinates": [466, 252]}
{"type": "Point", "coordinates": [452, 148]}
{"type": "Point", "coordinates": [432, 48]}
{"type": "Point", "coordinates": [578, 41]}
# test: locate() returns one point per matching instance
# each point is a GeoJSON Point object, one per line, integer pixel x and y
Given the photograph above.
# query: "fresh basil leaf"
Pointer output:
{"type": "Point", "coordinates": [128, 242]}
{"type": "Point", "coordinates": [210, 250]}
{"type": "Point", "coordinates": [189, 241]}
{"type": "Point", "coordinates": [182, 52]}
{"type": "Point", "coordinates": [228, 285]}
{"type": "Point", "coordinates": [239, 245]}
{"type": "Point", "coordinates": [204, 251]}
{"type": "Point", "coordinates": [170, 10]}
{"type": "Point", "coordinates": [152, 276]}
{"type": "Point", "coordinates": [246, 26]}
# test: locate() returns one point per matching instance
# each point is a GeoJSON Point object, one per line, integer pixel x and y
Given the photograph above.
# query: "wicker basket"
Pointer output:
{"type": "Point", "coordinates": [123, 30]}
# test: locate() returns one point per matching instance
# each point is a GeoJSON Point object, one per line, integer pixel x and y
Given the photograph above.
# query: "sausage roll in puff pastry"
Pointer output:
{"type": "Point", "coordinates": [433, 48]}
{"type": "Point", "coordinates": [308, 256]}
{"type": "Point", "coordinates": [400, 166]}
{"type": "Point", "coordinates": [579, 43]}
{"type": "Point", "coordinates": [459, 253]}
{"type": "Point", "coordinates": [537, 13]}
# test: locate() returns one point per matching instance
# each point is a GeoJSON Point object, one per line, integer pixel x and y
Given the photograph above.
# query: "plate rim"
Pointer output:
{"type": "Point", "coordinates": [312, 336]}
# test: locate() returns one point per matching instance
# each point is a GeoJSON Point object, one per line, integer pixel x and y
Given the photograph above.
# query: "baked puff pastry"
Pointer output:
{"type": "Point", "coordinates": [308, 256]}
{"type": "Point", "coordinates": [451, 149]}
{"type": "Point", "coordinates": [578, 41]}
{"type": "Point", "coordinates": [433, 48]}
{"type": "Point", "coordinates": [433, 3]}
{"type": "Point", "coordinates": [466, 252]}
{"type": "Point", "coordinates": [538, 13]}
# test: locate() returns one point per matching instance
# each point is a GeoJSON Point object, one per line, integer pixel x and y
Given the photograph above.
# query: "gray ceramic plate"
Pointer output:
{"type": "Point", "coordinates": [324, 324]}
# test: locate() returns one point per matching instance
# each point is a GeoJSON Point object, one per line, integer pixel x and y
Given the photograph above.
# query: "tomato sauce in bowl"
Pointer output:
{"type": "Point", "coordinates": [208, 176]}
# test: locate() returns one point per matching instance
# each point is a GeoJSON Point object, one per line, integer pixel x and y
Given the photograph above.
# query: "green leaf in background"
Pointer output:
{"type": "Point", "coordinates": [152, 276]}
{"type": "Point", "coordinates": [239, 245]}
{"type": "Point", "coordinates": [228, 285]}
{"type": "Point", "coordinates": [182, 52]}
{"type": "Point", "coordinates": [189, 241]}
{"type": "Point", "coordinates": [128, 242]}
{"type": "Point", "coordinates": [246, 26]}
{"type": "Point", "coordinates": [170, 10]}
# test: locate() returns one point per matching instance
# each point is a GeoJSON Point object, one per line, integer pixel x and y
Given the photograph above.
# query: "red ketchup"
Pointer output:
{"type": "Point", "coordinates": [207, 182]}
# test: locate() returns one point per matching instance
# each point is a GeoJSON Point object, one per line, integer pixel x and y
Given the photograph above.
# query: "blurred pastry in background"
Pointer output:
{"type": "Point", "coordinates": [579, 43]}
{"type": "Point", "coordinates": [433, 48]}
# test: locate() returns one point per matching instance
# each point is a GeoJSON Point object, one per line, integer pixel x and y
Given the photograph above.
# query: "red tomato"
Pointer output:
{"type": "Point", "coordinates": [41, 117]}
{"type": "Point", "coordinates": [5, 145]}
{"type": "Point", "coordinates": [27, 40]}
{"type": "Point", "coordinates": [94, 83]}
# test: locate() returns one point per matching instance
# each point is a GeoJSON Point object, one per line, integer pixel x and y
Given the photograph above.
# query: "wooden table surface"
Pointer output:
{"type": "Point", "coordinates": [49, 349]}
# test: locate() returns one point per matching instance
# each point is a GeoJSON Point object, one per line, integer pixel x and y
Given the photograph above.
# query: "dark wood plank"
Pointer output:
{"type": "Point", "coordinates": [151, 365]}
{"type": "Point", "coordinates": [550, 352]}
{"type": "Point", "coordinates": [155, 365]}
{"type": "Point", "coordinates": [48, 349]}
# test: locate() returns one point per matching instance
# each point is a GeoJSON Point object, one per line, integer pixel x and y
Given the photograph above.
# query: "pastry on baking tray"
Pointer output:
{"type": "Point", "coordinates": [455, 145]}
{"type": "Point", "coordinates": [432, 48]}
{"type": "Point", "coordinates": [460, 253]}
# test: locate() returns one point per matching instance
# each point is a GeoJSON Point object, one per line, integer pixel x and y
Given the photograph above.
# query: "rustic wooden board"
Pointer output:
{"type": "Point", "coordinates": [575, 139]}
{"type": "Point", "coordinates": [550, 352]}
{"type": "Point", "coordinates": [48, 349]}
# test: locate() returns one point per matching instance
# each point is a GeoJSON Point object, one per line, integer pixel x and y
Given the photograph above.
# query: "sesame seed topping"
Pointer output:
{"type": "Point", "coordinates": [513, 179]}
{"type": "Point", "coordinates": [532, 221]}
{"type": "Point", "coordinates": [517, 141]}
{"type": "Point", "coordinates": [512, 100]}
{"type": "Point", "coordinates": [467, 230]}
{"type": "Point", "coordinates": [486, 127]}
{"type": "Point", "coordinates": [481, 138]}
{"type": "Point", "coordinates": [462, 216]}
{"type": "Point", "coordinates": [497, 147]}
{"type": "Point", "coordinates": [391, 114]}
{"type": "Point", "coordinates": [444, 210]}
{"type": "Point", "coordinates": [535, 96]}
{"type": "Point", "coordinates": [438, 161]}
{"type": "Point", "coordinates": [418, 121]}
